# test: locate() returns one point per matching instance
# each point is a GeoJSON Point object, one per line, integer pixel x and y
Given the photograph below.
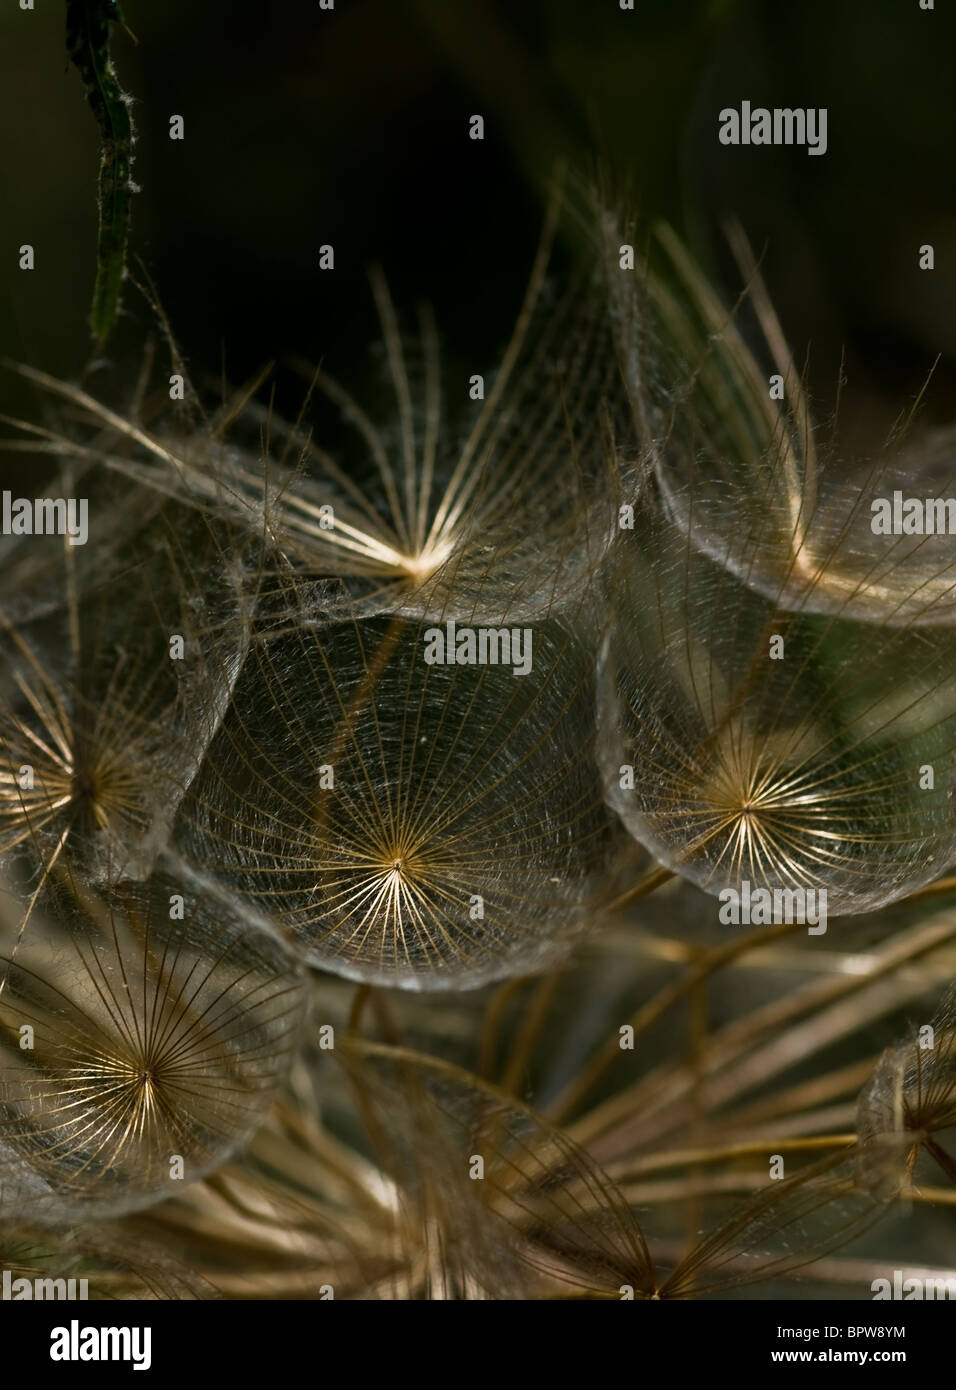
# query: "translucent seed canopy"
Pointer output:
{"type": "Point", "coordinates": [810, 546]}
{"type": "Point", "coordinates": [545, 1220]}
{"type": "Point", "coordinates": [414, 823]}
{"type": "Point", "coordinates": [909, 1101]}
{"type": "Point", "coordinates": [115, 1261]}
{"type": "Point", "coordinates": [109, 698]}
{"type": "Point", "coordinates": [139, 1048]}
{"type": "Point", "coordinates": [424, 492]}
{"type": "Point", "coordinates": [787, 750]}
{"type": "Point", "coordinates": [756, 482]}
{"type": "Point", "coordinates": [448, 499]}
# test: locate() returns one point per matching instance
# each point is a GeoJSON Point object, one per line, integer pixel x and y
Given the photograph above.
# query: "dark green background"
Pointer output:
{"type": "Point", "coordinates": [305, 126]}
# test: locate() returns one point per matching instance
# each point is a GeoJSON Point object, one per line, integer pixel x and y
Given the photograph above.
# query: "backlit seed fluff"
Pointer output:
{"type": "Point", "coordinates": [789, 750]}
{"type": "Point", "coordinates": [144, 1034]}
{"type": "Point", "coordinates": [425, 825]}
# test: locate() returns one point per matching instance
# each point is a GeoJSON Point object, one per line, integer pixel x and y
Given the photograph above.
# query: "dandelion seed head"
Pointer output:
{"type": "Point", "coordinates": [456, 830]}
{"type": "Point", "coordinates": [153, 1037]}
{"type": "Point", "coordinates": [795, 771]}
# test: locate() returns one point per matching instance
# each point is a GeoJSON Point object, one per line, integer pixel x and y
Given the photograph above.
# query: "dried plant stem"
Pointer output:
{"type": "Point", "coordinates": [653, 1163]}
{"type": "Point", "coordinates": [534, 1021]}
{"type": "Point", "coordinates": [641, 889]}
{"type": "Point", "coordinates": [733, 1051]}
{"type": "Point", "coordinates": [491, 1027]}
{"type": "Point", "coordinates": [649, 1014]}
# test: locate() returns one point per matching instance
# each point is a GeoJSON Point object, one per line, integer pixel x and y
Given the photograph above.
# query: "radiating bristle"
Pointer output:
{"type": "Point", "coordinates": [158, 1026]}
